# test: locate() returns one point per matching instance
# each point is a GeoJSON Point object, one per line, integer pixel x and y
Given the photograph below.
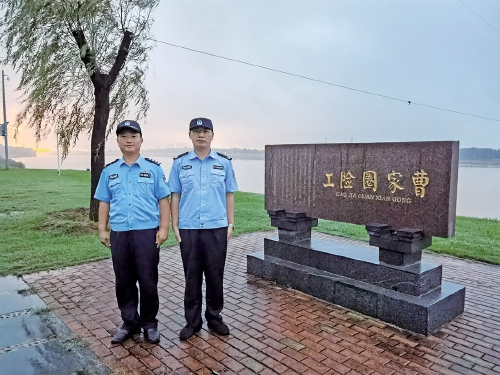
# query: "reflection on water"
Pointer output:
{"type": "Point", "coordinates": [476, 195]}
{"type": "Point", "coordinates": [476, 186]}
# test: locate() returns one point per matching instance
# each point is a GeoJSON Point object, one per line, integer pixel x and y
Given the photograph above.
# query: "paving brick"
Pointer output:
{"type": "Point", "coordinates": [191, 363]}
{"type": "Point", "coordinates": [421, 369]}
{"type": "Point", "coordinates": [437, 360]}
{"type": "Point", "coordinates": [151, 362]}
{"type": "Point", "coordinates": [275, 365]}
{"type": "Point", "coordinates": [252, 364]}
{"type": "Point", "coordinates": [269, 341]}
{"type": "Point", "coordinates": [400, 369]}
{"type": "Point", "coordinates": [292, 353]}
{"type": "Point", "coordinates": [494, 351]}
{"type": "Point", "coordinates": [214, 353]}
{"type": "Point", "coordinates": [211, 364]}
{"type": "Point", "coordinates": [486, 371]}
{"type": "Point", "coordinates": [459, 361]}
{"type": "Point", "coordinates": [313, 354]}
{"type": "Point", "coordinates": [255, 354]}
{"type": "Point", "coordinates": [315, 365]}
{"type": "Point", "coordinates": [292, 344]}
{"type": "Point", "coordinates": [172, 363]}
{"type": "Point", "coordinates": [491, 359]}
{"type": "Point", "coordinates": [413, 358]}
{"type": "Point", "coordinates": [131, 362]}
{"type": "Point", "coordinates": [232, 364]}
{"type": "Point", "coordinates": [276, 330]}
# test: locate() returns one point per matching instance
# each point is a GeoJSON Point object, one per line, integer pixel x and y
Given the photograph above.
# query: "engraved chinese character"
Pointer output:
{"type": "Point", "coordinates": [420, 181]}
{"type": "Point", "coordinates": [329, 181]}
{"type": "Point", "coordinates": [370, 180]}
{"type": "Point", "coordinates": [393, 178]}
{"type": "Point", "coordinates": [346, 180]}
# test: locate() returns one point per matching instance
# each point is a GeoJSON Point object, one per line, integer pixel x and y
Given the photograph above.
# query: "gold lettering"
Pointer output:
{"type": "Point", "coordinates": [329, 182]}
{"type": "Point", "coordinates": [393, 178]}
{"type": "Point", "coordinates": [370, 180]}
{"type": "Point", "coordinates": [346, 180]}
{"type": "Point", "coordinates": [420, 181]}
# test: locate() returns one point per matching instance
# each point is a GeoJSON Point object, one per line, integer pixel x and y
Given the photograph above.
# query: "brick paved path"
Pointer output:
{"type": "Point", "coordinates": [275, 330]}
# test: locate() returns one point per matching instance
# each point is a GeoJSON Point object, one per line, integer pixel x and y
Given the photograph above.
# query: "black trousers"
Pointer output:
{"type": "Point", "coordinates": [135, 260]}
{"type": "Point", "coordinates": [203, 252]}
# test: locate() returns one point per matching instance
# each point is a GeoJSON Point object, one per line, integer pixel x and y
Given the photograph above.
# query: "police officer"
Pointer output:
{"type": "Point", "coordinates": [202, 183]}
{"type": "Point", "coordinates": [133, 195]}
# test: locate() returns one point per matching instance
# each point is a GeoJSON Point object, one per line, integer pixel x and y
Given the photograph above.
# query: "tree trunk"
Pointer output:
{"type": "Point", "coordinates": [98, 140]}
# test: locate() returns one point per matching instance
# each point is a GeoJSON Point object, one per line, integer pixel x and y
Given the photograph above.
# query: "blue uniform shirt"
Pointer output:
{"type": "Point", "coordinates": [132, 193]}
{"type": "Point", "coordinates": [203, 186]}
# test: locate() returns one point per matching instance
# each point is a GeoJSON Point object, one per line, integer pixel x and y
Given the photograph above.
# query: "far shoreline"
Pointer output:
{"type": "Point", "coordinates": [479, 163]}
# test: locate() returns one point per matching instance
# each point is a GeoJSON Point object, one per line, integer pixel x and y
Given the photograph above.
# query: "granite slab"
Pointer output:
{"type": "Point", "coordinates": [423, 314]}
{"type": "Point", "coordinates": [357, 262]}
{"type": "Point", "coordinates": [402, 184]}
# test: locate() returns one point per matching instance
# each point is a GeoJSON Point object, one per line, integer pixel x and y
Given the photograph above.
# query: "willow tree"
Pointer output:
{"type": "Point", "coordinates": [82, 65]}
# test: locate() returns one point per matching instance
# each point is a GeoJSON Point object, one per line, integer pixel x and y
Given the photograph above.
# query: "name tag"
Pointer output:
{"type": "Point", "coordinates": [187, 167]}
{"type": "Point", "coordinates": [219, 167]}
{"type": "Point", "coordinates": [145, 174]}
{"type": "Point", "coordinates": [113, 176]}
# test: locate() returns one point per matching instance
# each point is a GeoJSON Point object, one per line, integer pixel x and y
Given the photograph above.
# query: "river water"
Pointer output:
{"type": "Point", "coordinates": [477, 194]}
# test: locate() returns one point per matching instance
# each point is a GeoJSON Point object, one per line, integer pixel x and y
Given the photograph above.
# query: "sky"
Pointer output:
{"type": "Point", "coordinates": [437, 53]}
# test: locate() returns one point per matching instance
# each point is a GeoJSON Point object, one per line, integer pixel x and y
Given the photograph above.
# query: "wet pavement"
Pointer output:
{"type": "Point", "coordinates": [274, 330]}
{"type": "Point", "coordinates": [34, 341]}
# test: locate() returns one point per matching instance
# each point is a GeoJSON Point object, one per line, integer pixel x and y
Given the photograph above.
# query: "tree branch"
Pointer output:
{"type": "Point", "coordinates": [86, 54]}
{"type": "Point", "coordinates": [121, 56]}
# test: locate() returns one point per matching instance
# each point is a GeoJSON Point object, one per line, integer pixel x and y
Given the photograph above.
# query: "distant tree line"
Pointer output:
{"type": "Point", "coordinates": [474, 153]}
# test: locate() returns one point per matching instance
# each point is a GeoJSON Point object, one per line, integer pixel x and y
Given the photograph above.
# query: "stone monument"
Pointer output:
{"type": "Point", "coordinates": [404, 193]}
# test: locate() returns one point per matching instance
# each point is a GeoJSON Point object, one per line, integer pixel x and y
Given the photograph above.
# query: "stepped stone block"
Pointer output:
{"type": "Point", "coordinates": [423, 314]}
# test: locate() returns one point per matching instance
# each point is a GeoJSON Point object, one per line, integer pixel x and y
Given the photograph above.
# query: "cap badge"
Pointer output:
{"type": "Point", "coordinates": [199, 122]}
{"type": "Point", "coordinates": [127, 123]}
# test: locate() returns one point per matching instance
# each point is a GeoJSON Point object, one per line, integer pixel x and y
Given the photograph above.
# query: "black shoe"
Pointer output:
{"type": "Point", "coordinates": [219, 328]}
{"type": "Point", "coordinates": [152, 335]}
{"type": "Point", "coordinates": [122, 334]}
{"type": "Point", "coordinates": [187, 332]}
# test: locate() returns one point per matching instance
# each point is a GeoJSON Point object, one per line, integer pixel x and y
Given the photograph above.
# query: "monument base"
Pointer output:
{"type": "Point", "coordinates": [290, 264]}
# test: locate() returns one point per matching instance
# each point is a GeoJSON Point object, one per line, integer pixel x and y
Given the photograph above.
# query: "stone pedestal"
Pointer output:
{"type": "Point", "coordinates": [392, 285]}
{"type": "Point", "coordinates": [398, 247]}
{"type": "Point", "coordinates": [292, 226]}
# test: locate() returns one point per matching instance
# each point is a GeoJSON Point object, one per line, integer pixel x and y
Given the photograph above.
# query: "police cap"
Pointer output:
{"type": "Point", "coordinates": [201, 122]}
{"type": "Point", "coordinates": [128, 125]}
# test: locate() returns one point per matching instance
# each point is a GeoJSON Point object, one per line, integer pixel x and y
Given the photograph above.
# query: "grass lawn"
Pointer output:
{"type": "Point", "coordinates": [477, 239]}
{"type": "Point", "coordinates": [44, 224]}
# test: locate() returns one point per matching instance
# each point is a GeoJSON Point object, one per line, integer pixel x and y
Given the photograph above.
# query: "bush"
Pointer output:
{"type": "Point", "coordinates": [12, 163]}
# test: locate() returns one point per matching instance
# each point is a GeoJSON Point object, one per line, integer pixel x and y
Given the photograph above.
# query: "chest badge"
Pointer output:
{"type": "Point", "coordinates": [113, 176]}
{"type": "Point", "coordinates": [221, 167]}
{"type": "Point", "coordinates": [145, 174]}
{"type": "Point", "coordinates": [187, 167]}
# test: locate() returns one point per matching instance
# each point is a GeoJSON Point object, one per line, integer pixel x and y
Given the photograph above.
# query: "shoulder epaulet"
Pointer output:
{"type": "Point", "coordinates": [111, 163]}
{"type": "Point", "coordinates": [153, 161]}
{"type": "Point", "coordinates": [181, 155]}
{"type": "Point", "coordinates": [224, 156]}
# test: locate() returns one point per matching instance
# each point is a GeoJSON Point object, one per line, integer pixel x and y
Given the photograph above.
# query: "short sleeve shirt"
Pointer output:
{"type": "Point", "coordinates": [203, 185]}
{"type": "Point", "coordinates": [133, 193]}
